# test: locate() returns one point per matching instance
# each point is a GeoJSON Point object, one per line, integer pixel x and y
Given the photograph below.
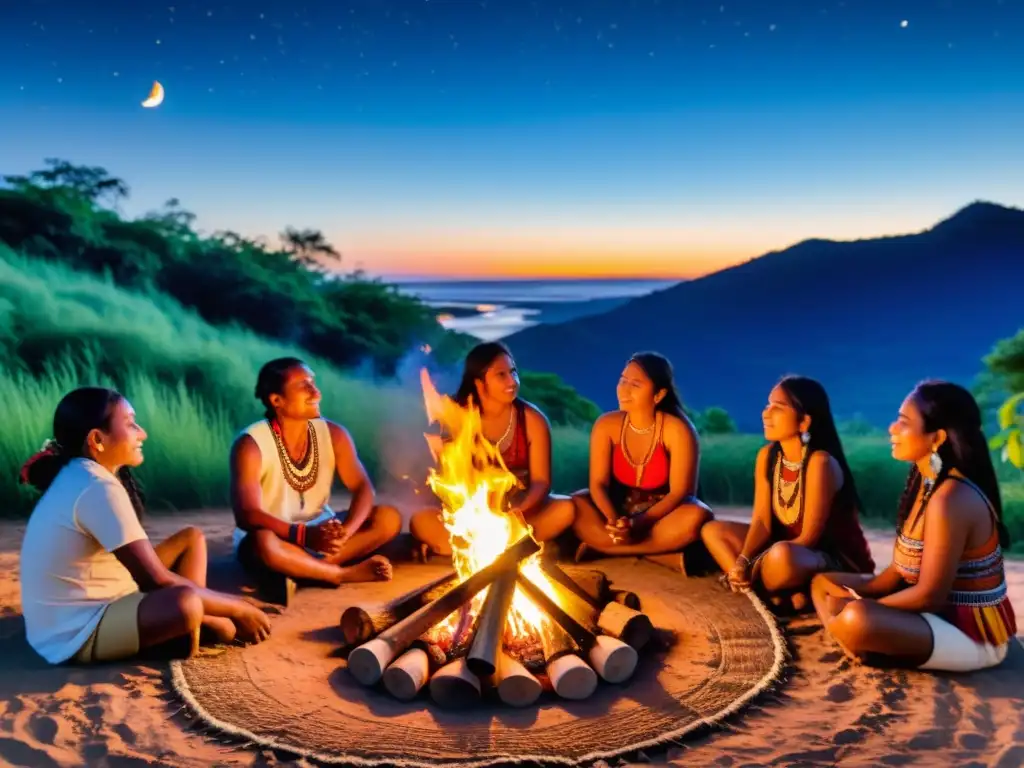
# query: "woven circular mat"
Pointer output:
{"type": "Point", "coordinates": [294, 692]}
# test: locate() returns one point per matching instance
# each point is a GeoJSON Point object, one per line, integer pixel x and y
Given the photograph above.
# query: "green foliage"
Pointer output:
{"type": "Point", "coordinates": [715, 421]}
{"type": "Point", "coordinates": [1006, 367]}
{"type": "Point", "coordinates": [1010, 439]}
{"type": "Point", "coordinates": [293, 294]}
{"type": "Point", "coordinates": [559, 402]}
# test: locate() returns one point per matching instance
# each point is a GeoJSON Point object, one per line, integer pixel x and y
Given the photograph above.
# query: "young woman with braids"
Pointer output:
{"type": "Point", "coordinates": [942, 603]}
{"type": "Point", "coordinates": [644, 462]}
{"type": "Point", "coordinates": [93, 587]}
{"type": "Point", "coordinates": [282, 473]}
{"type": "Point", "coordinates": [521, 432]}
{"type": "Point", "coordinates": [805, 517]}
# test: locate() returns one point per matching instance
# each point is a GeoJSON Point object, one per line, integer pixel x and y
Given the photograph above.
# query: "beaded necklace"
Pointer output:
{"type": "Point", "coordinates": [301, 475]}
{"type": "Point", "coordinates": [787, 509]}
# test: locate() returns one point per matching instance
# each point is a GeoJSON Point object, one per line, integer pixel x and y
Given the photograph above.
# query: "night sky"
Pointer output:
{"type": "Point", "coordinates": [487, 137]}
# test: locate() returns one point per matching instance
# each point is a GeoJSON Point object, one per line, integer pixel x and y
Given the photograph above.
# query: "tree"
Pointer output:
{"type": "Point", "coordinates": [1011, 435]}
{"type": "Point", "coordinates": [309, 247]}
{"type": "Point", "coordinates": [91, 183]}
{"type": "Point", "coordinates": [1006, 364]}
{"type": "Point", "coordinates": [716, 421]}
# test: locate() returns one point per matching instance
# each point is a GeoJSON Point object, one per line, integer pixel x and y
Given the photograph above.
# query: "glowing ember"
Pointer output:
{"type": "Point", "coordinates": [473, 484]}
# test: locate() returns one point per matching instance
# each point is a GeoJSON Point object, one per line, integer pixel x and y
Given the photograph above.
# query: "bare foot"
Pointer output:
{"type": "Point", "coordinates": [423, 552]}
{"type": "Point", "coordinates": [582, 552]}
{"type": "Point", "coordinates": [219, 628]}
{"type": "Point", "coordinates": [376, 568]}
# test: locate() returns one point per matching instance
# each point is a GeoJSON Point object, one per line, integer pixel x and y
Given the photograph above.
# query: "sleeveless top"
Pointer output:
{"type": "Point", "coordinates": [279, 498]}
{"type": "Point", "coordinates": [978, 604]}
{"type": "Point", "coordinates": [843, 539]}
{"type": "Point", "coordinates": [517, 455]}
{"type": "Point", "coordinates": [634, 489]}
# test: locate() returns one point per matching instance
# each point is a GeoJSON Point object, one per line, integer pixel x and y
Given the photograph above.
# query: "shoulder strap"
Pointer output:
{"type": "Point", "coordinates": [970, 483]}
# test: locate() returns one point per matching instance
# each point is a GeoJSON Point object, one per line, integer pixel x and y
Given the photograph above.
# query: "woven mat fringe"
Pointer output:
{"type": "Point", "coordinates": [215, 730]}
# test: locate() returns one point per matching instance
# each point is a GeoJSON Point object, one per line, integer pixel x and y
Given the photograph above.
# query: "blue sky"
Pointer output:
{"type": "Point", "coordinates": [578, 138]}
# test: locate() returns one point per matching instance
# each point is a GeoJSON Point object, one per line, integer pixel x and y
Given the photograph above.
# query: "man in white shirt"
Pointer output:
{"type": "Point", "coordinates": [282, 473]}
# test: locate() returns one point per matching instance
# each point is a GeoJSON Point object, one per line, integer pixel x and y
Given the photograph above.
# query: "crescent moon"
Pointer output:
{"type": "Point", "coordinates": [156, 96]}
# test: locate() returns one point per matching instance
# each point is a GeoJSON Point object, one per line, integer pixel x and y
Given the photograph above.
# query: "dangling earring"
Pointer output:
{"type": "Point", "coordinates": [805, 437]}
{"type": "Point", "coordinates": [935, 463]}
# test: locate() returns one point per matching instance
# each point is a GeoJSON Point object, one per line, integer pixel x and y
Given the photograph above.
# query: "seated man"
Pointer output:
{"type": "Point", "coordinates": [282, 470]}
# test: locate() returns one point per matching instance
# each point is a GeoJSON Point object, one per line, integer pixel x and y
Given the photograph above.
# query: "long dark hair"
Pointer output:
{"type": "Point", "coordinates": [809, 398]}
{"type": "Point", "coordinates": [948, 406]}
{"type": "Point", "coordinates": [78, 413]}
{"type": "Point", "coordinates": [270, 381]}
{"type": "Point", "coordinates": [659, 371]}
{"type": "Point", "coordinates": [474, 369]}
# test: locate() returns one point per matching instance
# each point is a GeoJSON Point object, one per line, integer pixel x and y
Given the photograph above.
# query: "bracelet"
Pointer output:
{"type": "Point", "coordinates": [297, 534]}
{"type": "Point", "coordinates": [744, 558]}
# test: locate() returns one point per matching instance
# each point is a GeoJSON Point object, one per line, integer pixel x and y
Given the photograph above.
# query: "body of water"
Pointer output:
{"type": "Point", "coordinates": [493, 309]}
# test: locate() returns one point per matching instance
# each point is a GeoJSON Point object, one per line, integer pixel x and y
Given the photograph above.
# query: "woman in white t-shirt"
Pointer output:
{"type": "Point", "coordinates": [93, 587]}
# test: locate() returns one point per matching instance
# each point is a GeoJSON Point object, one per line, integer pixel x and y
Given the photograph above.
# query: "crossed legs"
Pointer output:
{"type": "Point", "coordinates": [672, 533]}
{"type": "Point", "coordinates": [262, 550]}
{"type": "Point", "coordinates": [783, 571]}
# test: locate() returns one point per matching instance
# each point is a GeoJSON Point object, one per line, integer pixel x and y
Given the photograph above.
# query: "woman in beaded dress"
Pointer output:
{"type": "Point", "coordinates": [942, 604]}
{"type": "Point", "coordinates": [644, 461]}
{"type": "Point", "coordinates": [520, 431]}
{"type": "Point", "coordinates": [805, 517]}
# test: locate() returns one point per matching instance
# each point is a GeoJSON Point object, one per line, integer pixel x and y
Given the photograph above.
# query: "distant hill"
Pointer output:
{"type": "Point", "coordinates": [868, 318]}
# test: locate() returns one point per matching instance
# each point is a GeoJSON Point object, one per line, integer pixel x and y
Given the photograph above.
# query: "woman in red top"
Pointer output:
{"type": "Point", "coordinates": [805, 503]}
{"type": "Point", "coordinates": [521, 432]}
{"type": "Point", "coordinates": [942, 603]}
{"type": "Point", "coordinates": [644, 459]}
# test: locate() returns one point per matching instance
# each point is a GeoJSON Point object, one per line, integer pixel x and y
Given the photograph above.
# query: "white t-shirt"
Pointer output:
{"type": "Point", "coordinates": [68, 574]}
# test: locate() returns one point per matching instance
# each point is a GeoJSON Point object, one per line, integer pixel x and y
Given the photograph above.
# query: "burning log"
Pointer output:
{"type": "Point", "coordinates": [571, 676]}
{"type": "Point", "coordinates": [359, 625]}
{"type": "Point", "coordinates": [516, 686]}
{"type": "Point", "coordinates": [407, 674]}
{"type": "Point", "coordinates": [483, 655]}
{"type": "Point", "coordinates": [632, 627]}
{"type": "Point", "coordinates": [580, 634]}
{"type": "Point", "coordinates": [589, 585]}
{"type": "Point", "coordinates": [368, 661]}
{"type": "Point", "coordinates": [616, 618]}
{"type": "Point", "coordinates": [454, 685]}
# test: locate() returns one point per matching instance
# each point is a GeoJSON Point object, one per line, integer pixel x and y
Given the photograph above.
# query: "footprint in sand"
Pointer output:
{"type": "Point", "coordinates": [839, 693]}
{"type": "Point", "coordinates": [43, 728]}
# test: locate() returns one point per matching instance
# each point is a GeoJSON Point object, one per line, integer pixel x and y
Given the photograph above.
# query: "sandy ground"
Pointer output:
{"type": "Point", "coordinates": [826, 712]}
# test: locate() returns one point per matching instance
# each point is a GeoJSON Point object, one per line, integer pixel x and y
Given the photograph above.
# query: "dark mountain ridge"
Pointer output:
{"type": "Point", "coordinates": [868, 318]}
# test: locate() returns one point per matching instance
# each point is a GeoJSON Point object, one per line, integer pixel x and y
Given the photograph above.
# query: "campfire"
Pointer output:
{"type": "Point", "coordinates": [507, 618]}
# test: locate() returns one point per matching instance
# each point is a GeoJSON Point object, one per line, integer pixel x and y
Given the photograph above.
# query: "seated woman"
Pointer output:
{"type": "Point", "coordinates": [93, 587]}
{"type": "Point", "coordinates": [942, 603]}
{"type": "Point", "coordinates": [521, 432]}
{"type": "Point", "coordinates": [648, 505]}
{"type": "Point", "coordinates": [805, 503]}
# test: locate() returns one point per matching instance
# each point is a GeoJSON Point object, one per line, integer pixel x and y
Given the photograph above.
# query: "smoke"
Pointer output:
{"type": "Point", "coordinates": [403, 456]}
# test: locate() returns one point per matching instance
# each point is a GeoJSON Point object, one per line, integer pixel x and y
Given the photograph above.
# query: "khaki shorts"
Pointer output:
{"type": "Point", "coordinates": [117, 635]}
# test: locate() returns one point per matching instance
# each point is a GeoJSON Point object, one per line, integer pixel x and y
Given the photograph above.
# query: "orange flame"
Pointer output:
{"type": "Point", "coordinates": [473, 484]}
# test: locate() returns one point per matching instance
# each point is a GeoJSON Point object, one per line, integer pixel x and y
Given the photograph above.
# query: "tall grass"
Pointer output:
{"type": "Point", "coordinates": [192, 386]}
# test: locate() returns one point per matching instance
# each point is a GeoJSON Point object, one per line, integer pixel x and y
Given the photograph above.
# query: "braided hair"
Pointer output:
{"type": "Point", "coordinates": [79, 412]}
{"type": "Point", "coordinates": [949, 407]}
{"type": "Point", "coordinates": [270, 381]}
